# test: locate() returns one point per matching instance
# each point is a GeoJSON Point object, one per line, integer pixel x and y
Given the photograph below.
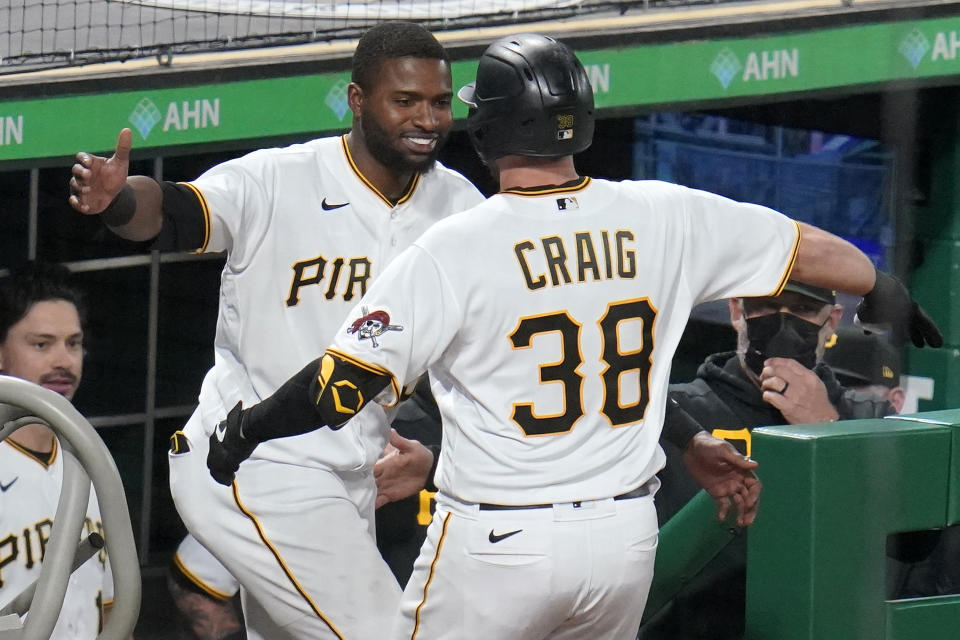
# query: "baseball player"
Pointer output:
{"type": "Point", "coordinates": [307, 229]}
{"type": "Point", "coordinates": [41, 340]}
{"type": "Point", "coordinates": [549, 344]}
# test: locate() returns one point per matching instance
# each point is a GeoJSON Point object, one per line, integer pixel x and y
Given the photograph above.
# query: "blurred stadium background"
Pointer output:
{"type": "Point", "coordinates": [838, 112]}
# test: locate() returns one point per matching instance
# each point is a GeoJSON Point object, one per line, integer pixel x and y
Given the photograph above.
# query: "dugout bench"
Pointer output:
{"type": "Point", "coordinates": [832, 493]}
{"type": "Point", "coordinates": [85, 460]}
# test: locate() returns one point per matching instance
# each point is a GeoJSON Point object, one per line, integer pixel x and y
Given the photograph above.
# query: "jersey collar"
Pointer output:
{"type": "Point", "coordinates": [44, 460]}
{"type": "Point", "coordinates": [407, 193]}
{"type": "Point", "coordinates": [547, 190]}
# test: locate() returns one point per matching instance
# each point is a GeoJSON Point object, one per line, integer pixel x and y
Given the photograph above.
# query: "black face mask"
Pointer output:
{"type": "Point", "coordinates": [781, 335]}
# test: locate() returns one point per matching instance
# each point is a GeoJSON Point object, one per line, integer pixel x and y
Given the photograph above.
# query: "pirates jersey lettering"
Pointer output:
{"type": "Point", "coordinates": [30, 545]}
{"type": "Point", "coordinates": [314, 272]}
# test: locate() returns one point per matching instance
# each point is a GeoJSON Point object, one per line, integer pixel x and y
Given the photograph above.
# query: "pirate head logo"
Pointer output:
{"type": "Point", "coordinates": [373, 325]}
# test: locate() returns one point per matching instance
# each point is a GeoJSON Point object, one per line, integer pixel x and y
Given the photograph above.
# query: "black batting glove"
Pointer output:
{"type": "Point", "coordinates": [889, 302]}
{"type": "Point", "coordinates": [228, 447]}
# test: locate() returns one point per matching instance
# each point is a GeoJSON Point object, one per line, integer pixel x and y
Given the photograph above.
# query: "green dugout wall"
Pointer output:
{"type": "Point", "coordinates": [832, 493]}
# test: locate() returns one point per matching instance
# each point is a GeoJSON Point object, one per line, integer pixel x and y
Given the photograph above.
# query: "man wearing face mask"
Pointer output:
{"type": "Point", "coordinates": [775, 376]}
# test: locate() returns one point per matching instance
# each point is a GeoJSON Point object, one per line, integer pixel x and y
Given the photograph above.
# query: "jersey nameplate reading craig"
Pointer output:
{"type": "Point", "coordinates": [590, 253]}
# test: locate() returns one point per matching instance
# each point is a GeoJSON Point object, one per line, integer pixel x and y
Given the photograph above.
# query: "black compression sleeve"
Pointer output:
{"type": "Point", "coordinates": [325, 393]}
{"type": "Point", "coordinates": [679, 427]}
{"type": "Point", "coordinates": [185, 219]}
{"type": "Point", "coordinates": [288, 412]}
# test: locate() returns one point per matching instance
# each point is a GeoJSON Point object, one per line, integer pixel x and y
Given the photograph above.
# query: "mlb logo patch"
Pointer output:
{"type": "Point", "coordinates": [565, 134]}
{"type": "Point", "coordinates": [567, 204]}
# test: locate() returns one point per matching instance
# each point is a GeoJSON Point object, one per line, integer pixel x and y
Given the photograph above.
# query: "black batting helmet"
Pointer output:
{"type": "Point", "coordinates": [531, 98]}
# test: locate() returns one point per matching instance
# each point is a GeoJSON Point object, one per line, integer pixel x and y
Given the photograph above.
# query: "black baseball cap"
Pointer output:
{"type": "Point", "coordinates": [825, 296]}
{"type": "Point", "coordinates": [859, 358]}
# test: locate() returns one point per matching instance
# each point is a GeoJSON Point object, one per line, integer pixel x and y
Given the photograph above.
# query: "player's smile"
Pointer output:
{"type": "Point", "coordinates": [421, 144]}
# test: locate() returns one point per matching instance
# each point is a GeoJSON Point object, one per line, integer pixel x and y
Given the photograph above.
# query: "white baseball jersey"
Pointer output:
{"type": "Point", "coordinates": [305, 235]}
{"type": "Point", "coordinates": [29, 491]}
{"type": "Point", "coordinates": [548, 319]}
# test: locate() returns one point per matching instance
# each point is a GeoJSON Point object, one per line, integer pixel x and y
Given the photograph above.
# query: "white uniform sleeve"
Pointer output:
{"type": "Point", "coordinates": [734, 249]}
{"type": "Point", "coordinates": [238, 205]}
{"type": "Point", "coordinates": [423, 318]}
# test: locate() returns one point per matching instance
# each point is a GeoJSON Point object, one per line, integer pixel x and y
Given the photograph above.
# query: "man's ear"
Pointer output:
{"type": "Point", "coordinates": [354, 98]}
{"type": "Point", "coordinates": [897, 398]}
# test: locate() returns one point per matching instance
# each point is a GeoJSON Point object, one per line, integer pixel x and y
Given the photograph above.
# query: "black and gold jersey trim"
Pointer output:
{"type": "Point", "coordinates": [206, 215]}
{"type": "Point", "coordinates": [283, 565]}
{"type": "Point", "coordinates": [407, 193]}
{"type": "Point", "coordinates": [426, 586]}
{"type": "Point", "coordinates": [569, 187]}
{"type": "Point", "coordinates": [44, 460]}
{"type": "Point", "coordinates": [203, 586]}
{"type": "Point", "coordinates": [372, 368]}
{"type": "Point", "coordinates": [793, 260]}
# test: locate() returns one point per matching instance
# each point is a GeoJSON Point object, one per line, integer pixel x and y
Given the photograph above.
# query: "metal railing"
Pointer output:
{"type": "Point", "coordinates": [85, 460]}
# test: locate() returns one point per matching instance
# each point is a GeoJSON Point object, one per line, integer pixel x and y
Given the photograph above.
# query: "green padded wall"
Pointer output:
{"type": "Point", "coordinates": [832, 494]}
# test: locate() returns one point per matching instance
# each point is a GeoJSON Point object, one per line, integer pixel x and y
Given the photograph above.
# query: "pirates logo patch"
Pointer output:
{"type": "Point", "coordinates": [373, 325]}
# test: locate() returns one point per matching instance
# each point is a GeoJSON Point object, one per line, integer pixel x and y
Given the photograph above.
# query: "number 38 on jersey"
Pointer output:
{"type": "Point", "coordinates": [625, 321]}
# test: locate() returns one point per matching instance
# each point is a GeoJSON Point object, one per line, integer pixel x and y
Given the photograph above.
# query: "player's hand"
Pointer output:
{"type": "Point", "coordinates": [402, 470]}
{"type": "Point", "coordinates": [228, 447]}
{"type": "Point", "coordinates": [797, 392]}
{"type": "Point", "coordinates": [889, 303]}
{"type": "Point", "coordinates": [96, 181]}
{"type": "Point", "coordinates": [725, 475]}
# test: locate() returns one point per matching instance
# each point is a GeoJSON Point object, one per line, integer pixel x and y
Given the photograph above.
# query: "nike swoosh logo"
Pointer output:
{"type": "Point", "coordinates": [4, 487]}
{"type": "Point", "coordinates": [331, 207]}
{"type": "Point", "coordinates": [503, 536]}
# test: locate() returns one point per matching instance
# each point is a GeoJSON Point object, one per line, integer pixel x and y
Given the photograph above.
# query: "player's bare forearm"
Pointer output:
{"type": "Point", "coordinates": [826, 260]}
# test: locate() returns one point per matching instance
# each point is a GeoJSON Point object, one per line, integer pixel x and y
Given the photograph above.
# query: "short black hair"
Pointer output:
{"type": "Point", "coordinates": [390, 40]}
{"type": "Point", "coordinates": [35, 282]}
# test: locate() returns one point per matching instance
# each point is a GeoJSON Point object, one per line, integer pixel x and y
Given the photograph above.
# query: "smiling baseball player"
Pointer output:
{"type": "Point", "coordinates": [549, 344]}
{"type": "Point", "coordinates": [307, 230]}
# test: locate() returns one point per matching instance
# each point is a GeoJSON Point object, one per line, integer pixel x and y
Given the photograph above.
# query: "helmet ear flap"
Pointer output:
{"type": "Point", "coordinates": [531, 97]}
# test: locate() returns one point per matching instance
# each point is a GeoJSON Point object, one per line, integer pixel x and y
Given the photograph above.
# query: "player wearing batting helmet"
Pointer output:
{"type": "Point", "coordinates": [549, 342]}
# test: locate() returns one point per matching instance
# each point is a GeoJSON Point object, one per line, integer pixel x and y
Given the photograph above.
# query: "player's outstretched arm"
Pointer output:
{"type": "Point", "coordinates": [725, 475]}
{"type": "Point", "coordinates": [826, 260]}
{"type": "Point", "coordinates": [130, 206]}
{"type": "Point", "coordinates": [325, 393]}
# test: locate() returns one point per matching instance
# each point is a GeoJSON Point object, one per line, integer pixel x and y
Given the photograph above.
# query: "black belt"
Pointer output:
{"type": "Point", "coordinates": [639, 492]}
